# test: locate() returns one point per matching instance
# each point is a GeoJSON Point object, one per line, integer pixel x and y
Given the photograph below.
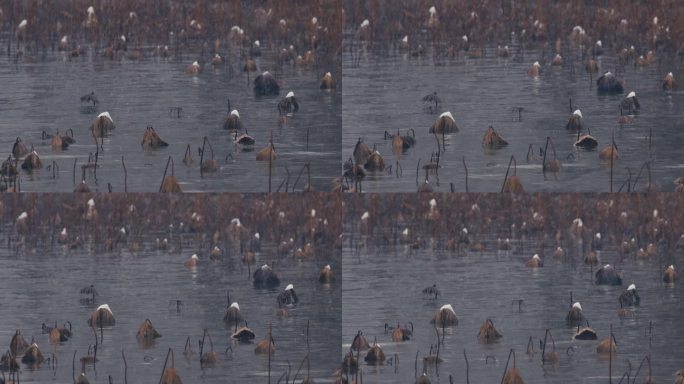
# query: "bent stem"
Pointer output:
{"type": "Point", "coordinates": [169, 161]}
{"type": "Point", "coordinates": [646, 165]}
{"type": "Point", "coordinates": [515, 168]}
{"type": "Point", "coordinates": [169, 353]}
{"type": "Point", "coordinates": [512, 352]}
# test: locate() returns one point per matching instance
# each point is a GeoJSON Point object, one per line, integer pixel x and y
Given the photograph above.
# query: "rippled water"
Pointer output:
{"type": "Point", "coordinates": [42, 94]}
{"type": "Point", "coordinates": [384, 284]}
{"type": "Point", "coordinates": [44, 287]}
{"type": "Point", "coordinates": [384, 92]}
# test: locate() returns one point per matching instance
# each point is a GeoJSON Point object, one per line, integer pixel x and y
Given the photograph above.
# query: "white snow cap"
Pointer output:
{"type": "Point", "coordinates": [23, 23]}
{"type": "Point", "coordinates": [447, 307]}
{"type": "Point", "coordinates": [365, 23]}
{"type": "Point", "coordinates": [578, 113]}
{"type": "Point", "coordinates": [405, 39]}
{"type": "Point", "coordinates": [91, 203]}
{"type": "Point", "coordinates": [631, 287]}
{"type": "Point", "coordinates": [289, 287]}
{"type": "Point", "coordinates": [432, 10]}
{"type": "Point", "coordinates": [194, 256]}
{"type": "Point", "coordinates": [366, 215]}
{"type": "Point", "coordinates": [289, 94]}
{"type": "Point", "coordinates": [107, 115]}
{"type": "Point", "coordinates": [235, 305]}
{"type": "Point", "coordinates": [327, 267]}
{"type": "Point", "coordinates": [23, 216]}
{"type": "Point", "coordinates": [447, 114]}
{"type": "Point", "coordinates": [235, 112]}
{"type": "Point", "coordinates": [577, 305]}
{"type": "Point", "coordinates": [91, 10]}
{"type": "Point", "coordinates": [631, 94]}
{"type": "Point", "coordinates": [105, 307]}
{"type": "Point", "coordinates": [313, 213]}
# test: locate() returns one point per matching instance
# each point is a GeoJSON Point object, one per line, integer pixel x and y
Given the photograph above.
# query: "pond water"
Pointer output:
{"type": "Point", "coordinates": [42, 94]}
{"type": "Point", "coordinates": [41, 283]}
{"type": "Point", "coordinates": [383, 92]}
{"type": "Point", "coordinates": [384, 283]}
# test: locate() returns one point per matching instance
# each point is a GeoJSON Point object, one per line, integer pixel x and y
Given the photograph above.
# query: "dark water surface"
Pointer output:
{"type": "Point", "coordinates": [384, 92]}
{"type": "Point", "coordinates": [42, 94]}
{"type": "Point", "coordinates": [42, 287]}
{"type": "Point", "coordinates": [384, 284]}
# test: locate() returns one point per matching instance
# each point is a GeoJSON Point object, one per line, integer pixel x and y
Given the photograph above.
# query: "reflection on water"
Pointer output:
{"type": "Point", "coordinates": [41, 280]}
{"type": "Point", "coordinates": [384, 92]}
{"type": "Point", "coordinates": [44, 96]}
{"type": "Point", "coordinates": [384, 277]}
